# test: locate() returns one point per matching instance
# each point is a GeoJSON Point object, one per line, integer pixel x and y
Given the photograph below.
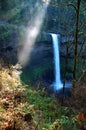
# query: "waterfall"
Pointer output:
{"type": "Point", "coordinates": [55, 38]}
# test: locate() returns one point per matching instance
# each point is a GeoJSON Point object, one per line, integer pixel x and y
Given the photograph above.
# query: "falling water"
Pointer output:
{"type": "Point", "coordinates": [55, 38]}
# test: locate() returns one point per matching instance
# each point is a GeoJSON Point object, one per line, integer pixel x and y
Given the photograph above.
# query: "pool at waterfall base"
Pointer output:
{"type": "Point", "coordinates": [59, 92]}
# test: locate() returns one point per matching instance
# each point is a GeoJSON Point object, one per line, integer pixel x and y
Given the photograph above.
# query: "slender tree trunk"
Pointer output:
{"type": "Point", "coordinates": [76, 43]}
{"type": "Point", "coordinates": [65, 70]}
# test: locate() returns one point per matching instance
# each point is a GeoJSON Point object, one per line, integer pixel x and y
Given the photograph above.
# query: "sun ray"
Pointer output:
{"type": "Point", "coordinates": [32, 33]}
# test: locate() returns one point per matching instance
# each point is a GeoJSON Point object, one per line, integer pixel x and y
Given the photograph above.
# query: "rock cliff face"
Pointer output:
{"type": "Point", "coordinates": [41, 64]}
{"type": "Point", "coordinates": [41, 52]}
{"type": "Point", "coordinates": [42, 60]}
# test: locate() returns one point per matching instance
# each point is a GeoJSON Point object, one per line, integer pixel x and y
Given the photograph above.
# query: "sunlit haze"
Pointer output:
{"type": "Point", "coordinates": [32, 33]}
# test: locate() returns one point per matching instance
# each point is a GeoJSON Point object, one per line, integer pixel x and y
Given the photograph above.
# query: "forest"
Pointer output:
{"type": "Point", "coordinates": [42, 64]}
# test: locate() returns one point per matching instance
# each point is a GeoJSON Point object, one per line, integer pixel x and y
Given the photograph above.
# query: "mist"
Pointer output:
{"type": "Point", "coordinates": [32, 31]}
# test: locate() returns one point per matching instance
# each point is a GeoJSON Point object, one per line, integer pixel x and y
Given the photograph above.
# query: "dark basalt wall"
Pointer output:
{"type": "Point", "coordinates": [41, 63]}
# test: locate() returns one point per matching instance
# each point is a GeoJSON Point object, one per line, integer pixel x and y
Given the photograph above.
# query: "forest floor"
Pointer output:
{"type": "Point", "coordinates": [26, 108]}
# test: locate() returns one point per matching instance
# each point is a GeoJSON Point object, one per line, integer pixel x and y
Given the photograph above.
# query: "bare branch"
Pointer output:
{"type": "Point", "coordinates": [71, 4]}
{"type": "Point", "coordinates": [80, 50]}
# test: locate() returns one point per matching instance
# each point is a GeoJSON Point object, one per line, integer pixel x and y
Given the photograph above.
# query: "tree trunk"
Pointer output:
{"type": "Point", "coordinates": [65, 70]}
{"type": "Point", "coordinates": [76, 43]}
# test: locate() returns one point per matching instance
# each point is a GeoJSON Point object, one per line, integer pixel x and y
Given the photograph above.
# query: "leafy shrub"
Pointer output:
{"type": "Point", "coordinates": [5, 32]}
{"type": "Point", "coordinates": [23, 107]}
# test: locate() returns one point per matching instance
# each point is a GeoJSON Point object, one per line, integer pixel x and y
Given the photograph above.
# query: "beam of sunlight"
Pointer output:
{"type": "Point", "coordinates": [32, 33]}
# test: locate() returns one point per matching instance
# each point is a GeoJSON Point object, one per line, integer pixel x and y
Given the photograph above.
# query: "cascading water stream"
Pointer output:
{"type": "Point", "coordinates": [55, 38]}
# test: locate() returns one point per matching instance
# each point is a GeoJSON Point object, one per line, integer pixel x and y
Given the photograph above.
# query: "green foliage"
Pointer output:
{"type": "Point", "coordinates": [35, 73]}
{"type": "Point", "coordinates": [31, 108]}
{"type": "Point", "coordinates": [64, 123]}
{"type": "Point", "coordinates": [5, 32]}
{"type": "Point", "coordinates": [51, 110]}
{"type": "Point", "coordinates": [52, 116]}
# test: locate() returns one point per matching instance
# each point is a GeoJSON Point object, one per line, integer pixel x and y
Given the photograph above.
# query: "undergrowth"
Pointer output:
{"type": "Point", "coordinates": [24, 108]}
